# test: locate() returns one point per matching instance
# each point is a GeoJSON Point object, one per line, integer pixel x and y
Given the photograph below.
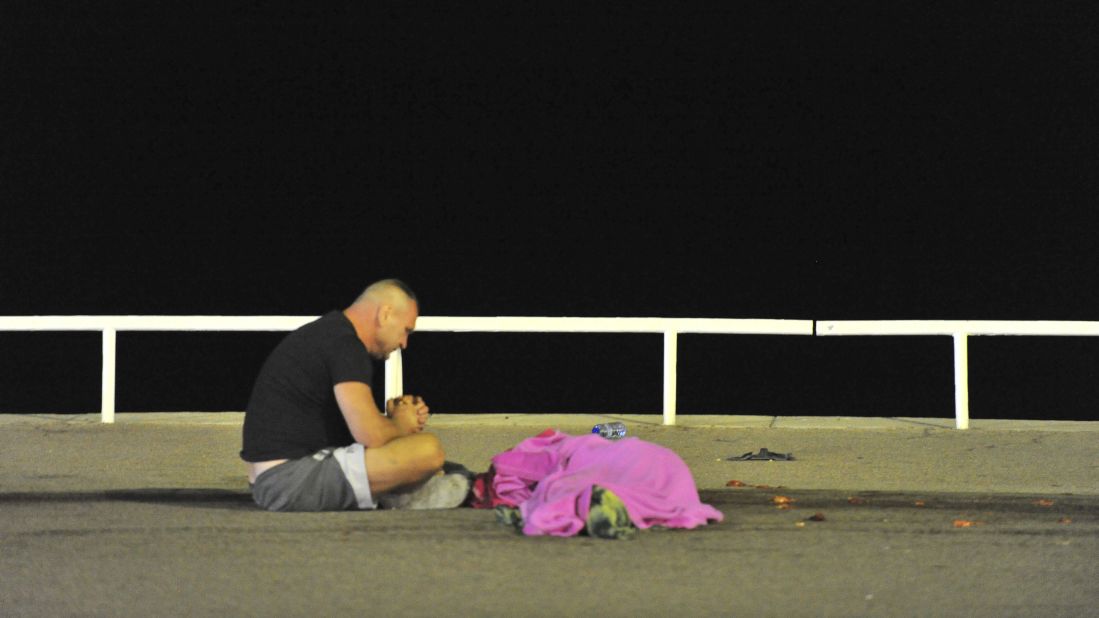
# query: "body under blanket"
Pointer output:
{"type": "Point", "coordinates": [549, 478]}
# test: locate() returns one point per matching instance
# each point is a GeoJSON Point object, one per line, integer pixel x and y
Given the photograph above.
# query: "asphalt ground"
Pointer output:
{"type": "Point", "coordinates": [874, 517]}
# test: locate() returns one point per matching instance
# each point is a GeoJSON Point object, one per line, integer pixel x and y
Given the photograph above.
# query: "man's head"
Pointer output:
{"type": "Point", "coordinates": [384, 316]}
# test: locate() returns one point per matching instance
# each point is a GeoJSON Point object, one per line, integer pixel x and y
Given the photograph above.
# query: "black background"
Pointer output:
{"type": "Point", "coordinates": [850, 160]}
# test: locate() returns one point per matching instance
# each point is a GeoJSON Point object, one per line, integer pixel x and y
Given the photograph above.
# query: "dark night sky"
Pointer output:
{"type": "Point", "coordinates": [851, 160]}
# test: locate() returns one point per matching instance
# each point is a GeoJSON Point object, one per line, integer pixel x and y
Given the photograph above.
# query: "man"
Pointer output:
{"type": "Point", "coordinates": [313, 438]}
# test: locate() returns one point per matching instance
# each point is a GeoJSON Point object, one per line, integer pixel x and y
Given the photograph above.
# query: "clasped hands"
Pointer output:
{"type": "Point", "coordinates": [409, 412]}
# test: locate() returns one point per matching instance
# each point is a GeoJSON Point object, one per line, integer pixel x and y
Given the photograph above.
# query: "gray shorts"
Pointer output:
{"type": "Point", "coordinates": [332, 479]}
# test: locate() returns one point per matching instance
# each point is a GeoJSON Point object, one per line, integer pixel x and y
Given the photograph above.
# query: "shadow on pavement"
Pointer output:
{"type": "Point", "coordinates": [202, 498]}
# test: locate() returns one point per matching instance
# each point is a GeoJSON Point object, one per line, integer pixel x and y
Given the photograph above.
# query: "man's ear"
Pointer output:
{"type": "Point", "coordinates": [384, 311]}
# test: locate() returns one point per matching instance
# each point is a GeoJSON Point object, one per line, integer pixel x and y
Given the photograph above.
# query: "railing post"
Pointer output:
{"type": "Point", "coordinates": [394, 375]}
{"type": "Point", "coordinates": [670, 352]}
{"type": "Point", "coordinates": [107, 397]}
{"type": "Point", "coordinates": [961, 380]}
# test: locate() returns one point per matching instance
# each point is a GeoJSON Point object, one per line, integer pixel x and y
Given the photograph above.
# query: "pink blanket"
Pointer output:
{"type": "Point", "coordinates": [550, 477]}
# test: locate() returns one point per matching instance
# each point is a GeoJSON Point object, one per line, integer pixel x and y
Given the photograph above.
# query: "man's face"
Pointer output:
{"type": "Point", "coordinates": [395, 324]}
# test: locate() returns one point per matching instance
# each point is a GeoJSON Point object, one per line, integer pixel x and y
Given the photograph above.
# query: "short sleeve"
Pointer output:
{"type": "Point", "coordinates": [348, 361]}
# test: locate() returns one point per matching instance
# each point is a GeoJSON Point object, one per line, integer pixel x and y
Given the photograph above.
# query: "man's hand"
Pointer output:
{"type": "Point", "coordinates": [409, 412]}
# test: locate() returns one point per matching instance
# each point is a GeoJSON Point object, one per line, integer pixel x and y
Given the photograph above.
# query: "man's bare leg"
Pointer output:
{"type": "Point", "coordinates": [404, 461]}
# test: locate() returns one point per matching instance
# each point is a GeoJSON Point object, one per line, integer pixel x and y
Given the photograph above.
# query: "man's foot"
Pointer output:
{"type": "Point", "coordinates": [442, 491]}
{"type": "Point", "coordinates": [453, 467]}
{"type": "Point", "coordinates": [608, 517]}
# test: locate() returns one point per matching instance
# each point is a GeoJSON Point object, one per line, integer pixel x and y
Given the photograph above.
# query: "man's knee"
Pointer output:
{"type": "Point", "coordinates": [430, 451]}
{"type": "Point", "coordinates": [403, 461]}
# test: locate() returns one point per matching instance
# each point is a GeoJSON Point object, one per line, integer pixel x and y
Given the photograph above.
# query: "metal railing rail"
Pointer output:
{"type": "Point", "coordinates": [670, 327]}
{"type": "Point", "coordinates": [960, 330]}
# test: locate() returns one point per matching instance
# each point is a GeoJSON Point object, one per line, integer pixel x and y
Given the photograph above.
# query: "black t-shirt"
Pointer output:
{"type": "Point", "coordinates": [292, 412]}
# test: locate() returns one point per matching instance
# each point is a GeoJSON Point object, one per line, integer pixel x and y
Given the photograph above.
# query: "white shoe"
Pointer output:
{"type": "Point", "coordinates": [442, 491]}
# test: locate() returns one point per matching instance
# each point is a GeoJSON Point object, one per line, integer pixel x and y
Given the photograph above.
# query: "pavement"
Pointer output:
{"type": "Point", "coordinates": [887, 516]}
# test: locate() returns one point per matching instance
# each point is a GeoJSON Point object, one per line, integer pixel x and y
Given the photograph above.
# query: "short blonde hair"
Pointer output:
{"type": "Point", "coordinates": [383, 290]}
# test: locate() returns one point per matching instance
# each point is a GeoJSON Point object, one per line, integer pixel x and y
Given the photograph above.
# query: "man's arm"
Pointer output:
{"type": "Point", "coordinates": [367, 425]}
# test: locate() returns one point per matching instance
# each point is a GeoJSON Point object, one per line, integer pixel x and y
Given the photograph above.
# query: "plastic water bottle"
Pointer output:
{"type": "Point", "coordinates": [610, 431]}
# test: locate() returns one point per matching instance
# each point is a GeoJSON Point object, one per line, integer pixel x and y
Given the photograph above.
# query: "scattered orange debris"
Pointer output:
{"type": "Point", "coordinates": [817, 517]}
{"type": "Point", "coordinates": [965, 523]}
{"type": "Point", "coordinates": [783, 502]}
{"type": "Point", "coordinates": [920, 503]}
{"type": "Point", "coordinates": [1044, 502]}
{"type": "Point", "coordinates": [1064, 520]}
{"type": "Point", "coordinates": [736, 483]}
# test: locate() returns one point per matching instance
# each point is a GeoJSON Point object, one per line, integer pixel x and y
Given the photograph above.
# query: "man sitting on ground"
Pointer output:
{"type": "Point", "coordinates": [313, 438]}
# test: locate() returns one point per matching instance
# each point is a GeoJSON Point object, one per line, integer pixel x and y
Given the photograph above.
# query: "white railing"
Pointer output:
{"type": "Point", "coordinates": [669, 327]}
{"type": "Point", "coordinates": [960, 330]}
